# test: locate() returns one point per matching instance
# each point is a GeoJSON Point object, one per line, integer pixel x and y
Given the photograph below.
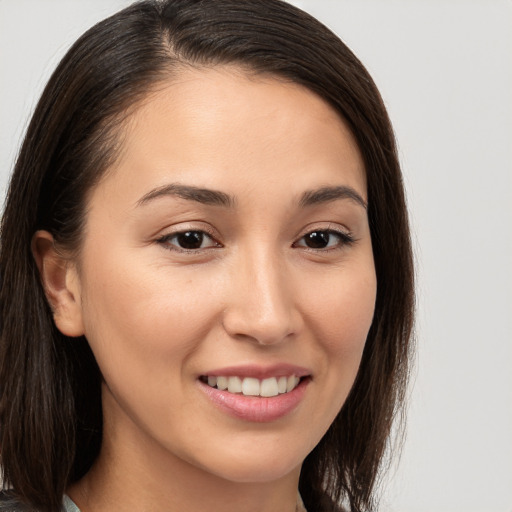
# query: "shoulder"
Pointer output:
{"type": "Point", "coordinates": [9, 503]}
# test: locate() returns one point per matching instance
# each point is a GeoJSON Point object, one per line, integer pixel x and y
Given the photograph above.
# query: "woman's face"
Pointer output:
{"type": "Point", "coordinates": [228, 246]}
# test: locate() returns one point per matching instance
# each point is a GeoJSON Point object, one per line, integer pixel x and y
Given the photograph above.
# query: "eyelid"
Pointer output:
{"type": "Point", "coordinates": [345, 235]}
{"type": "Point", "coordinates": [324, 226]}
{"type": "Point", "coordinates": [165, 237]}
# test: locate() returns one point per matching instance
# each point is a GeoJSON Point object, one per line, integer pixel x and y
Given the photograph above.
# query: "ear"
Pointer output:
{"type": "Point", "coordinates": [61, 284]}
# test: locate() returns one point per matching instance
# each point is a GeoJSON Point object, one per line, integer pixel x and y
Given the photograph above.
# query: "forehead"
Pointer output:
{"type": "Point", "coordinates": [223, 122]}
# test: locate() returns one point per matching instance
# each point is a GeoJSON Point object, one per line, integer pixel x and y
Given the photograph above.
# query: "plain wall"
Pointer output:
{"type": "Point", "coordinates": [445, 71]}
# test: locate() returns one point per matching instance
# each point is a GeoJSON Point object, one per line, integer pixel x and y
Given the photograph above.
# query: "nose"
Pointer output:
{"type": "Point", "coordinates": [261, 305]}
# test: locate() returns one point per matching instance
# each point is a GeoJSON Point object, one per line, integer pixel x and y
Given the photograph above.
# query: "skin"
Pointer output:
{"type": "Point", "coordinates": [158, 317]}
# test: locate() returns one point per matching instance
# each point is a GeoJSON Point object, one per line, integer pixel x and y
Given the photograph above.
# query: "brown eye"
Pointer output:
{"type": "Point", "coordinates": [324, 239]}
{"type": "Point", "coordinates": [317, 239]}
{"type": "Point", "coordinates": [188, 241]}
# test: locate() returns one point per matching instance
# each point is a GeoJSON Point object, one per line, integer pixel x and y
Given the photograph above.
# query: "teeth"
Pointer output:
{"type": "Point", "coordinates": [269, 387]}
{"type": "Point", "coordinates": [222, 383]}
{"type": "Point", "coordinates": [291, 383]}
{"type": "Point", "coordinates": [249, 386]}
{"type": "Point", "coordinates": [234, 384]}
{"type": "Point", "coordinates": [281, 384]}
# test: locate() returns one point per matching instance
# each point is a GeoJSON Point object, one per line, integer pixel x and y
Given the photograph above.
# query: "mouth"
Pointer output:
{"type": "Point", "coordinates": [251, 386]}
{"type": "Point", "coordinates": [256, 393]}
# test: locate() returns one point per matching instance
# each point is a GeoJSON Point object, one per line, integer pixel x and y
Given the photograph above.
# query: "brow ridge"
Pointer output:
{"type": "Point", "coordinates": [189, 192]}
{"type": "Point", "coordinates": [328, 194]}
{"type": "Point", "coordinates": [218, 198]}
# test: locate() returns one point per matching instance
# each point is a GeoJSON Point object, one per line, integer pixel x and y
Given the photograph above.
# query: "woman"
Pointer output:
{"type": "Point", "coordinates": [207, 283]}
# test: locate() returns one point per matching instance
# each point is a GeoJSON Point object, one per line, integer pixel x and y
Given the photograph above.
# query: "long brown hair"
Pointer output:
{"type": "Point", "coordinates": [50, 403]}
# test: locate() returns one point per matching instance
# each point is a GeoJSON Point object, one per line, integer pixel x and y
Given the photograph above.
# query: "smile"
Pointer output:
{"type": "Point", "coordinates": [250, 386]}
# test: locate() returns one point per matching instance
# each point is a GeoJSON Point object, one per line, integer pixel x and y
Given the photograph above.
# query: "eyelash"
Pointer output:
{"type": "Point", "coordinates": [344, 239]}
{"type": "Point", "coordinates": [165, 240]}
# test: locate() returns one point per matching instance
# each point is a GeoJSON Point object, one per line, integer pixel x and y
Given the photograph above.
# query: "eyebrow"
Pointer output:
{"type": "Point", "coordinates": [191, 193]}
{"type": "Point", "coordinates": [328, 194]}
{"type": "Point", "coordinates": [217, 198]}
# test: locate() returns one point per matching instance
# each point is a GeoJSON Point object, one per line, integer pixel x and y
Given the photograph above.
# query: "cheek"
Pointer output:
{"type": "Point", "coordinates": [342, 310]}
{"type": "Point", "coordinates": [139, 317]}
{"type": "Point", "coordinates": [340, 317]}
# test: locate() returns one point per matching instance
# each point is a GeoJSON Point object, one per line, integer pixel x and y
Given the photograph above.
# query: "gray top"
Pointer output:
{"type": "Point", "coordinates": [11, 504]}
{"type": "Point", "coordinates": [68, 505]}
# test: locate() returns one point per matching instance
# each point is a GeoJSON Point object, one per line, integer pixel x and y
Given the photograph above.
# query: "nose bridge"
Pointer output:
{"type": "Point", "coordinates": [261, 306]}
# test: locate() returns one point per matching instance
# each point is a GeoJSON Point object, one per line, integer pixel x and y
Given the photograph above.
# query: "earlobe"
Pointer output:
{"type": "Point", "coordinates": [60, 282]}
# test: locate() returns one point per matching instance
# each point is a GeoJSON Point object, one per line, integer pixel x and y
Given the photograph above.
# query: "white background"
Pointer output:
{"type": "Point", "coordinates": [445, 71]}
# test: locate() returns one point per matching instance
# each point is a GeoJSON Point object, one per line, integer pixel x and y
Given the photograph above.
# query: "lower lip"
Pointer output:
{"type": "Point", "coordinates": [254, 408]}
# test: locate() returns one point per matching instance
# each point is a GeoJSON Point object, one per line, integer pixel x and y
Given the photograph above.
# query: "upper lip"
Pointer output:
{"type": "Point", "coordinates": [259, 371]}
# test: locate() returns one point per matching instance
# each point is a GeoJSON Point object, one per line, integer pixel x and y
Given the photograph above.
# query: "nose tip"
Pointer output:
{"type": "Point", "coordinates": [261, 307]}
{"type": "Point", "coordinates": [262, 325]}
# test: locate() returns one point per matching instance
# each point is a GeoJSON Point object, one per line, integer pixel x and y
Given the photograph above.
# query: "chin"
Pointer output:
{"type": "Point", "coordinates": [267, 472]}
{"type": "Point", "coordinates": [257, 465]}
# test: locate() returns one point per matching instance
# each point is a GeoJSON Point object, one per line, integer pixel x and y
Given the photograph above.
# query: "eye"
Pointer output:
{"type": "Point", "coordinates": [191, 240]}
{"type": "Point", "coordinates": [324, 239]}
